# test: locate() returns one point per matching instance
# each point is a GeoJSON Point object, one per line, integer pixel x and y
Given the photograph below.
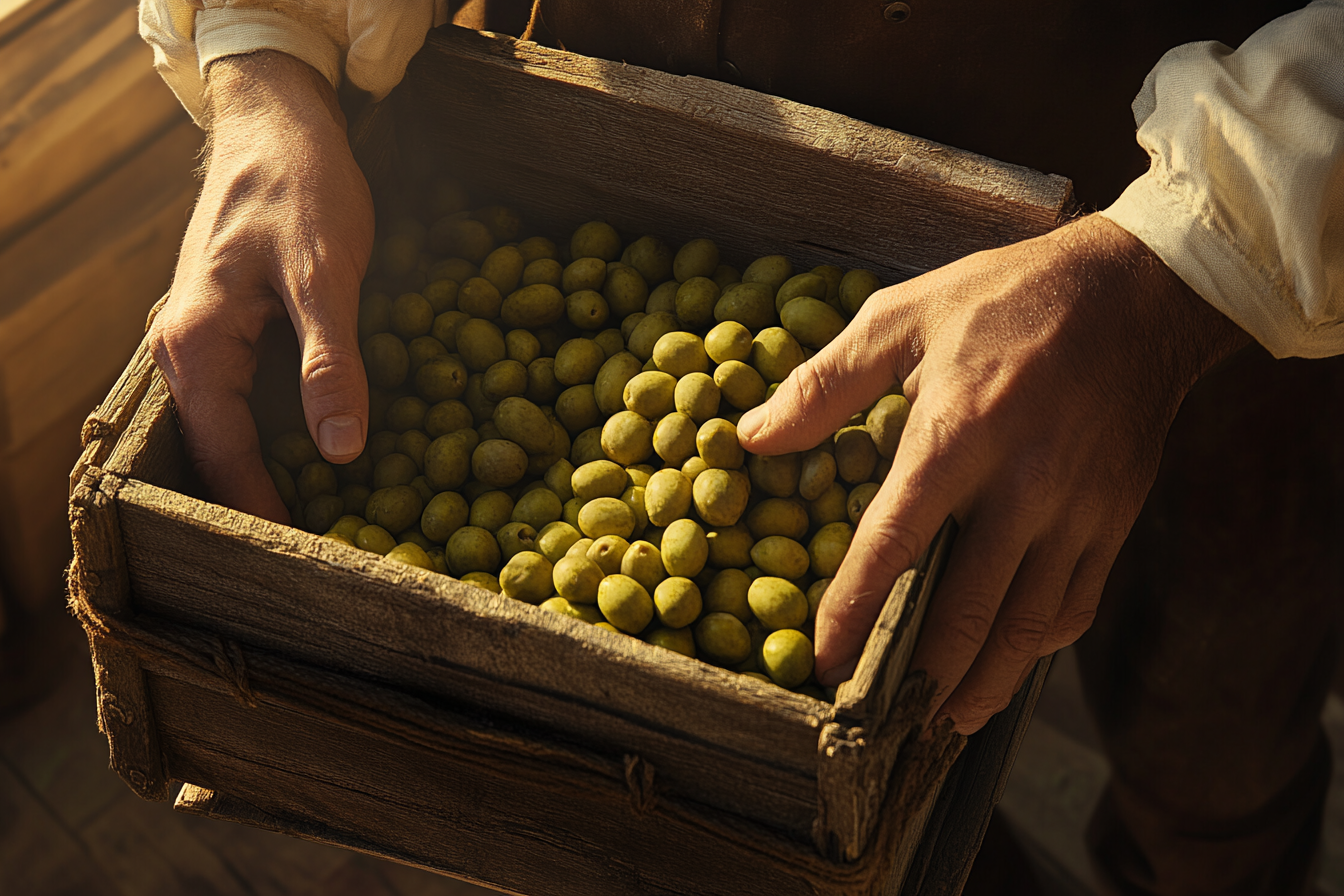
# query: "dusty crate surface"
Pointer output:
{"type": "Point", "coordinates": [412, 716]}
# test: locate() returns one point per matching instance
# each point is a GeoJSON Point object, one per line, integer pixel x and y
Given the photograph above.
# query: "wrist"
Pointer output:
{"type": "Point", "coordinates": [1184, 333]}
{"type": "Point", "coordinates": [269, 86]}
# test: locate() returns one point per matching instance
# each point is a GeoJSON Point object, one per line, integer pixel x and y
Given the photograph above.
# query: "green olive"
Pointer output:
{"type": "Point", "coordinates": [394, 469]}
{"type": "Point", "coordinates": [828, 548]}
{"type": "Point", "coordinates": [677, 601]}
{"type": "Point", "coordinates": [750, 304]}
{"type": "Point", "coordinates": [800, 285]}
{"type": "Point", "coordinates": [771, 270]}
{"type": "Point", "coordinates": [526, 577]}
{"type": "Point", "coordinates": [576, 578]}
{"type": "Point", "coordinates": [782, 557]}
{"type": "Point", "coordinates": [395, 509]}
{"type": "Point", "coordinates": [679, 640]}
{"type": "Point", "coordinates": [374, 539]}
{"type": "Point", "coordinates": [651, 394]}
{"type": "Point", "coordinates": [815, 592]}
{"type": "Point", "coordinates": [812, 322]}
{"type": "Point", "coordinates": [606, 516]}
{"type": "Point", "coordinates": [543, 270]}
{"type": "Point", "coordinates": [652, 258]}
{"type": "Point", "coordinates": [522, 422]}
{"type": "Point", "coordinates": [817, 473]}
{"type": "Point", "coordinates": [644, 563]}
{"type": "Point", "coordinates": [411, 316]}
{"type": "Point", "coordinates": [596, 239]}
{"type": "Point", "coordinates": [722, 638]}
{"type": "Point", "coordinates": [647, 332]}
{"type": "Point", "coordinates": [778, 516]}
{"type": "Point", "coordinates": [885, 423]}
{"type": "Point", "coordinates": [386, 361]}
{"type": "Point", "coordinates": [625, 290]}
{"type": "Point", "coordinates": [674, 439]}
{"type": "Point", "coordinates": [739, 385]}
{"type": "Point", "coordinates": [555, 539]}
{"type": "Point", "coordinates": [667, 497]}
{"type": "Point", "coordinates": [829, 507]}
{"type": "Point", "coordinates": [608, 552]}
{"type": "Point", "coordinates": [498, 463]}
{"type": "Point", "coordinates": [625, 603]}
{"type": "Point", "coordinates": [855, 454]}
{"type": "Point", "coordinates": [446, 326]}
{"type": "Point", "coordinates": [729, 341]}
{"type": "Point", "coordinates": [777, 603]}
{"type": "Point", "coordinates": [536, 248]}
{"type": "Point", "coordinates": [718, 445]}
{"type": "Point", "coordinates": [481, 580]}
{"type": "Point", "coordinates": [685, 548]}
{"type": "Point", "coordinates": [787, 657]}
{"type": "Point", "coordinates": [775, 353]}
{"type": "Point", "coordinates": [578, 361]}
{"type": "Point", "coordinates": [480, 298]}
{"type": "Point", "coordinates": [411, 554]}
{"type": "Point", "coordinates": [471, 549]}
{"type": "Point", "coordinates": [698, 258]}
{"type": "Point", "coordinates": [627, 438]}
{"type": "Point", "coordinates": [538, 305]}
{"type": "Point", "coordinates": [727, 593]}
{"type": "Point", "coordinates": [855, 288]}
{"type": "Point", "coordinates": [504, 268]}
{"type": "Point", "coordinates": [480, 344]}
{"type": "Point", "coordinates": [720, 496]}
{"type": "Point", "coordinates": [693, 302]}
{"type": "Point", "coordinates": [580, 611]}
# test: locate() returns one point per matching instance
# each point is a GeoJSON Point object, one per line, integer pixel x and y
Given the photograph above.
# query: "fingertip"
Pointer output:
{"type": "Point", "coordinates": [838, 674]}
{"type": "Point", "coordinates": [340, 437]}
{"type": "Point", "coordinates": [750, 424]}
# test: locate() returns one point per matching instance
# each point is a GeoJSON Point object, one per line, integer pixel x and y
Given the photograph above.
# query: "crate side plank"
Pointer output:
{"type": "Point", "coordinates": [784, 175]}
{"type": "Point", "coordinates": [470, 822]}
{"type": "Point", "coordinates": [780, 799]}
{"type": "Point", "coordinates": [378, 619]}
{"type": "Point", "coordinates": [99, 579]}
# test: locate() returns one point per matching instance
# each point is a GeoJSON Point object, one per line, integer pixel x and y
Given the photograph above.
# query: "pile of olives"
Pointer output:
{"type": "Point", "coordinates": [557, 424]}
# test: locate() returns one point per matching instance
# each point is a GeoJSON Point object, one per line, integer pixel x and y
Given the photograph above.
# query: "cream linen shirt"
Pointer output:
{"type": "Point", "coordinates": [1244, 199]}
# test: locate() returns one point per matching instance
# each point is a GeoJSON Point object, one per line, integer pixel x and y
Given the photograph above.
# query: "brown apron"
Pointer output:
{"type": "Point", "coordinates": [1047, 84]}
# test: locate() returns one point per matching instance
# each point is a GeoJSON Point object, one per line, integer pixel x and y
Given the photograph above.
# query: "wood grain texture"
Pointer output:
{"type": "Point", "coordinates": [714, 734]}
{"type": "Point", "coordinates": [80, 96]}
{"type": "Point", "coordinates": [953, 836]}
{"type": "Point", "coordinates": [79, 285]}
{"type": "Point", "coordinates": [98, 579]}
{"type": "Point", "coordinates": [485, 815]}
{"type": "Point", "coordinates": [687, 157]}
{"type": "Point", "coordinates": [878, 714]}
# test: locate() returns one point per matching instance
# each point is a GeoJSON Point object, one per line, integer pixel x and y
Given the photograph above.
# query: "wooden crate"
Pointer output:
{"type": "Point", "coordinates": [316, 689]}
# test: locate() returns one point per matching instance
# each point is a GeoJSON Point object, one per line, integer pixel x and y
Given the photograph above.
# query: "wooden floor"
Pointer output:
{"type": "Point", "coordinates": [69, 827]}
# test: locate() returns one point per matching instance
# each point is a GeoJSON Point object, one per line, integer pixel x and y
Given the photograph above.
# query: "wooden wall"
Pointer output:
{"type": "Point", "coordinates": [96, 185]}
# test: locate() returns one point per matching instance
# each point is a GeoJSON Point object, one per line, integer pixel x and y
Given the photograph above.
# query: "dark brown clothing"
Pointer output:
{"type": "Point", "coordinates": [1047, 84]}
{"type": "Point", "coordinates": [1218, 633]}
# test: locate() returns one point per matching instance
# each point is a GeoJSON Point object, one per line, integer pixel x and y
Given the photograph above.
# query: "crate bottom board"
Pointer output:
{"type": "Point", "coordinates": [415, 805]}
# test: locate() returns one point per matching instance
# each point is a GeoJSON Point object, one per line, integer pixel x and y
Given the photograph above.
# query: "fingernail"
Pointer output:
{"type": "Point", "coordinates": [751, 422]}
{"type": "Point", "coordinates": [833, 678]}
{"type": "Point", "coordinates": [340, 436]}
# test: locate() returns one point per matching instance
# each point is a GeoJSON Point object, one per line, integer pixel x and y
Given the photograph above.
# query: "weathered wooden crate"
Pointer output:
{"type": "Point", "coordinates": [309, 687]}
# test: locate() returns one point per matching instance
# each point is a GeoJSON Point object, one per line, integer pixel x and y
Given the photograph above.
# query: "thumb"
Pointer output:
{"type": "Point", "coordinates": [332, 383]}
{"type": "Point", "coordinates": [822, 393]}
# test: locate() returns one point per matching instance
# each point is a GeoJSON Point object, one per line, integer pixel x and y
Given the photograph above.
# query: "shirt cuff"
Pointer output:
{"type": "Point", "coordinates": [1208, 261]}
{"type": "Point", "coordinates": [235, 32]}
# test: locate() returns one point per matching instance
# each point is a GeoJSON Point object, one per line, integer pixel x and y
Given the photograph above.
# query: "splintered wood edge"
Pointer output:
{"type": "Point", "coordinates": [103, 429]}
{"type": "Point", "coordinates": [886, 656]}
{"type": "Point", "coordinates": [1044, 197]}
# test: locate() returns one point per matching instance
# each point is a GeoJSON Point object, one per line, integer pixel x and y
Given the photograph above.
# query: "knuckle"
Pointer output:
{"type": "Point", "coordinates": [971, 618]}
{"type": "Point", "coordinates": [892, 546]}
{"type": "Point", "coordinates": [1021, 633]}
{"type": "Point", "coordinates": [972, 711]}
{"type": "Point", "coordinates": [1068, 627]}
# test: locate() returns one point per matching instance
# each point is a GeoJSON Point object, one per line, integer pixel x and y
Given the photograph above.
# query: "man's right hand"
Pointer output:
{"type": "Point", "coordinates": [283, 225]}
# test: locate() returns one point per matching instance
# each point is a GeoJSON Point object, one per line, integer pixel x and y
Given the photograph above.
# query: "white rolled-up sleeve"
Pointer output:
{"type": "Point", "coordinates": [366, 43]}
{"type": "Point", "coordinates": [1244, 198]}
